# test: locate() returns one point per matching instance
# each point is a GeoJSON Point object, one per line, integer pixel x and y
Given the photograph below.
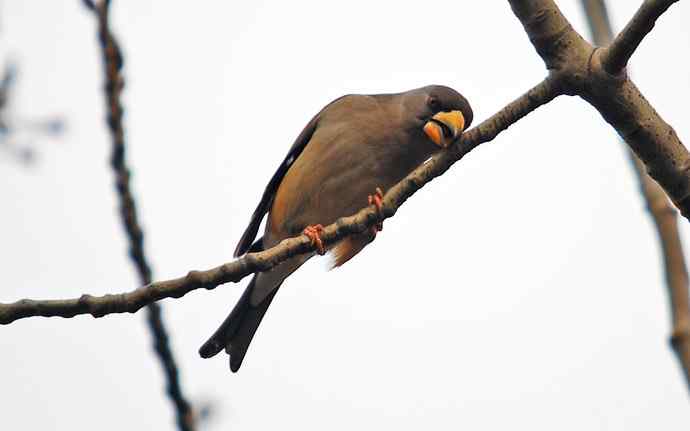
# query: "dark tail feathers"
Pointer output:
{"type": "Point", "coordinates": [238, 329]}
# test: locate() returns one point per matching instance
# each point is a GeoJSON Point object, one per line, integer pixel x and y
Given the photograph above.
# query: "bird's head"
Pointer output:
{"type": "Point", "coordinates": [441, 112]}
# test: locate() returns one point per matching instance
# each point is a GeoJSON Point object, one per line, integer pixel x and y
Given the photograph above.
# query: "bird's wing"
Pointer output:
{"type": "Point", "coordinates": [301, 142]}
{"type": "Point", "coordinates": [250, 232]}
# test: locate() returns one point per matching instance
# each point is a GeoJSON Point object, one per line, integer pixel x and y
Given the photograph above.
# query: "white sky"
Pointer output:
{"type": "Point", "coordinates": [522, 289]}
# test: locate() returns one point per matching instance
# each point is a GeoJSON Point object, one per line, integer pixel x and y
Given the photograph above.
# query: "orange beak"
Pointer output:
{"type": "Point", "coordinates": [445, 127]}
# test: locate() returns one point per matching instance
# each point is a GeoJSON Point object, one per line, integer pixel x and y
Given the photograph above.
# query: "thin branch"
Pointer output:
{"type": "Point", "coordinates": [113, 60]}
{"type": "Point", "coordinates": [234, 271]}
{"type": "Point", "coordinates": [616, 56]}
{"type": "Point", "coordinates": [663, 214]}
{"type": "Point", "coordinates": [12, 128]}
{"type": "Point", "coordinates": [599, 22]}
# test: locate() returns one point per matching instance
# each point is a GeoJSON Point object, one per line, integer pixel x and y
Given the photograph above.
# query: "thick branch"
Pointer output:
{"type": "Point", "coordinates": [550, 32]}
{"type": "Point", "coordinates": [113, 60]}
{"type": "Point", "coordinates": [234, 271]}
{"type": "Point", "coordinates": [653, 140]}
{"type": "Point", "coordinates": [616, 97]}
{"type": "Point", "coordinates": [615, 57]}
{"type": "Point", "coordinates": [663, 214]}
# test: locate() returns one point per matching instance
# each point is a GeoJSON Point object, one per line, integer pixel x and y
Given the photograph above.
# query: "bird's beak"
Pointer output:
{"type": "Point", "coordinates": [444, 127]}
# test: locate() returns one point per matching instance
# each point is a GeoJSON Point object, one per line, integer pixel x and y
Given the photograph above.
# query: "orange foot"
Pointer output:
{"type": "Point", "coordinates": [377, 200]}
{"type": "Point", "coordinates": [314, 234]}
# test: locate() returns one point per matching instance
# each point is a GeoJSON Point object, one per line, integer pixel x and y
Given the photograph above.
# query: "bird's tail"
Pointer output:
{"type": "Point", "coordinates": [238, 329]}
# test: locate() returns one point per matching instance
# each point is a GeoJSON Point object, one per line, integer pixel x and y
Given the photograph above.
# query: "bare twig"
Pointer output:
{"type": "Point", "coordinates": [234, 271]}
{"type": "Point", "coordinates": [663, 214]}
{"type": "Point", "coordinates": [112, 59]}
{"type": "Point", "coordinates": [11, 126]}
{"type": "Point", "coordinates": [615, 57]}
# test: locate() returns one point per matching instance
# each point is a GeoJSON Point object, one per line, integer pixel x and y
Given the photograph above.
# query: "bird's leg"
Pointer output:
{"type": "Point", "coordinates": [377, 200]}
{"type": "Point", "coordinates": [314, 234]}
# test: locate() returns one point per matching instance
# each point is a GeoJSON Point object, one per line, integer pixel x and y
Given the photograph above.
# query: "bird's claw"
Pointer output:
{"type": "Point", "coordinates": [377, 200]}
{"type": "Point", "coordinates": [314, 234]}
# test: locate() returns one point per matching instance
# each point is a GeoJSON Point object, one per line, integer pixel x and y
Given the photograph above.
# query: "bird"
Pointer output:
{"type": "Point", "coordinates": [353, 149]}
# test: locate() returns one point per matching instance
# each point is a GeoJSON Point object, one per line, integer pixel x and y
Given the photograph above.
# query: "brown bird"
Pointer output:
{"type": "Point", "coordinates": [356, 146]}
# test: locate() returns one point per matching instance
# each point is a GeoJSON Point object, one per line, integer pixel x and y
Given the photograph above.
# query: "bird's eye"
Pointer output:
{"type": "Point", "coordinates": [434, 104]}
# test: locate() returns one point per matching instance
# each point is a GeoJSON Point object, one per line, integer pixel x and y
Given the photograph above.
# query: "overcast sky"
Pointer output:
{"type": "Point", "coordinates": [523, 289]}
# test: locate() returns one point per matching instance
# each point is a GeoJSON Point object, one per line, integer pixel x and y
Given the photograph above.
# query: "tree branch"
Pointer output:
{"type": "Point", "coordinates": [599, 22]}
{"type": "Point", "coordinates": [663, 214]}
{"type": "Point", "coordinates": [234, 271]}
{"type": "Point", "coordinates": [113, 60]}
{"type": "Point", "coordinates": [615, 57]}
{"type": "Point", "coordinates": [616, 97]}
{"type": "Point", "coordinates": [550, 33]}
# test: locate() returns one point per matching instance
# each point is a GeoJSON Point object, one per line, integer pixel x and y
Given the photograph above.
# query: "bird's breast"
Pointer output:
{"type": "Point", "coordinates": [338, 169]}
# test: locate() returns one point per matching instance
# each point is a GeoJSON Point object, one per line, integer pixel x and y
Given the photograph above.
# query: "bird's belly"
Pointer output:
{"type": "Point", "coordinates": [333, 178]}
{"type": "Point", "coordinates": [344, 189]}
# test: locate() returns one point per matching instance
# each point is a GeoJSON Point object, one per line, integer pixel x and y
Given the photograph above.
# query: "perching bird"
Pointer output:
{"type": "Point", "coordinates": [355, 146]}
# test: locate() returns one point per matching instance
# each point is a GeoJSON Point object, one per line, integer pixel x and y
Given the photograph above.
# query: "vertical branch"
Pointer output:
{"type": "Point", "coordinates": [599, 23]}
{"type": "Point", "coordinates": [663, 214]}
{"type": "Point", "coordinates": [112, 59]}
